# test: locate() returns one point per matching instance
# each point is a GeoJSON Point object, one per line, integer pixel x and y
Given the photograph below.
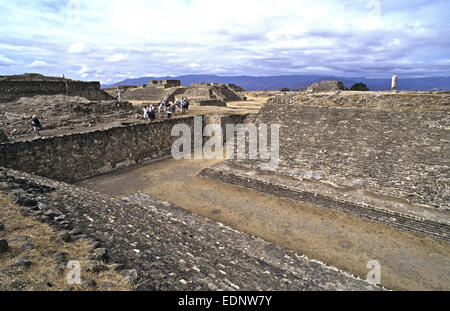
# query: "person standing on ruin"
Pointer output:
{"type": "Point", "coordinates": [179, 105]}
{"type": "Point", "coordinates": [182, 104]}
{"type": "Point", "coordinates": [151, 113]}
{"type": "Point", "coordinates": [148, 111]}
{"type": "Point", "coordinates": [120, 93]}
{"type": "Point", "coordinates": [169, 111]}
{"type": "Point", "coordinates": [187, 103]}
{"type": "Point", "coordinates": [36, 126]}
{"type": "Point", "coordinates": [175, 105]}
{"type": "Point", "coordinates": [145, 112]}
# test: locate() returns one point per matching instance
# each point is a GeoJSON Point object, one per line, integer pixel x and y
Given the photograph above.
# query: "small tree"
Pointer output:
{"type": "Point", "coordinates": [359, 87]}
{"type": "Point", "coordinates": [285, 89]}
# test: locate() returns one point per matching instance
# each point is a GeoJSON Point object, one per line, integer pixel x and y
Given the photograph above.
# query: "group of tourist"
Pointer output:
{"type": "Point", "coordinates": [149, 112]}
{"type": "Point", "coordinates": [181, 105]}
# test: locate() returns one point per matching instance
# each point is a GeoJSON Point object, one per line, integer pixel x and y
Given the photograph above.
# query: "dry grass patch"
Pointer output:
{"type": "Point", "coordinates": [37, 242]}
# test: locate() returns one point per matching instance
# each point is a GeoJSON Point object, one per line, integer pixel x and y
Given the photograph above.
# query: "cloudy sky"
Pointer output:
{"type": "Point", "coordinates": [115, 39]}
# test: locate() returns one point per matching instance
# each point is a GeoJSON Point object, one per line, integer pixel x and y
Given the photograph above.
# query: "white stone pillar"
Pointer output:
{"type": "Point", "coordinates": [394, 83]}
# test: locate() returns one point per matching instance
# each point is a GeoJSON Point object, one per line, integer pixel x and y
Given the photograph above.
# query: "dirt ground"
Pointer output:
{"type": "Point", "coordinates": [408, 261]}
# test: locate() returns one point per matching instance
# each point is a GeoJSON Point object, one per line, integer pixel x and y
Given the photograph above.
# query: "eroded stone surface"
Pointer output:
{"type": "Point", "coordinates": [398, 153]}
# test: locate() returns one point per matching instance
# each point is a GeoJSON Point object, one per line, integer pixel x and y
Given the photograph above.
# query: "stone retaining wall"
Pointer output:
{"type": "Point", "coordinates": [406, 221]}
{"type": "Point", "coordinates": [78, 156]}
{"type": "Point", "coordinates": [12, 90]}
{"type": "Point", "coordinates": [397, 153]}
{"type": "Point", "coordinates": [151, 93]}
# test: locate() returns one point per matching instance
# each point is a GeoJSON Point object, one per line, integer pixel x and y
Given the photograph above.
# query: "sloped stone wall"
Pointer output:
{"type": "Point", "coordinates": [202, 92]}
{"type": "Point", "coordinates": [151, 93]}
{"type": "Point", "coordinates": [398, 153]}
{"type": "Point", "coordinates": [327, 86]}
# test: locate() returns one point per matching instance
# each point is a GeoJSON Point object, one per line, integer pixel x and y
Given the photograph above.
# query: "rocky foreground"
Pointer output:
{"type": "Point", "coordinates": [158, 246]}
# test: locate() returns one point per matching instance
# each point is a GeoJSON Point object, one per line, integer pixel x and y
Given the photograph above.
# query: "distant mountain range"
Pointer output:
{"type": "Point", "coordinates": [298, 81]}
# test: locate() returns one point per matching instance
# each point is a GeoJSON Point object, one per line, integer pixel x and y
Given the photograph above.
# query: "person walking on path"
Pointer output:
{"type": "Point", "coordinates": [36, 126]}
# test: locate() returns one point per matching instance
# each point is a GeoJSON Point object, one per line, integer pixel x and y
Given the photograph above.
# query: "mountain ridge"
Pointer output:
{"type": "Point", "coordinates": [252, 83]}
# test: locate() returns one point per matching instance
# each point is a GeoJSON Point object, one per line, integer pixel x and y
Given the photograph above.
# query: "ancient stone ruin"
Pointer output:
{"type": "Point", "coordinates": [327, 86]}
{"type": "Point", "coordinates": [28, 85]}
{"type": "Point", "coordinates": [199, 94]}
{"type": "Point", "coordinates": [371, 159]}
{"type": "Point", "coordinates": [206, 94]}
{"type": "Point", "coordinates": [235, 87]}
{"type": "Point", "coordinates": [151, 92]}
{"type": "Point", "coordinates": [165, 83]}
{"type": "Point", "coordinates": [60, 112]}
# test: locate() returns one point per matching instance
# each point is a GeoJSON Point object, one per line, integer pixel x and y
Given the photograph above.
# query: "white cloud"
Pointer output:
{"type": "Point", "coordinates": [76, 47]}
{"type": "Point", "coordinates": [84, 71]}
{"type": "Point", "coordinates": [116, 58]}
{"type": "Point", "coordinates": [193, 65]}
{"type": "Point", "coordinates": [5, 61]}
{"type": "Point", "coordinates": [253, 37]}
{"type": "Point", "coordinates": [38, 64]}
